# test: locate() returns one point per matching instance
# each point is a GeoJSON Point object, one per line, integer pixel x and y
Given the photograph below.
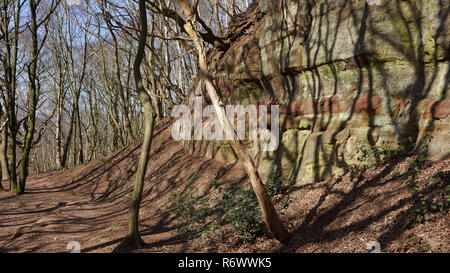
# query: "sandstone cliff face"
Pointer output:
{"type": "Point", "coordinates": [348, 75]}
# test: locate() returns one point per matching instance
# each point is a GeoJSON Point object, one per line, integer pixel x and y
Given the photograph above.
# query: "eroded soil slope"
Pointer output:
{"type": "Point", "coordinates": [88, 204]}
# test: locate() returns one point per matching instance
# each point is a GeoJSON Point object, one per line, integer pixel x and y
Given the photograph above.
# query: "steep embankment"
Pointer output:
{"type": "Point", "coordinates": [88, 204]}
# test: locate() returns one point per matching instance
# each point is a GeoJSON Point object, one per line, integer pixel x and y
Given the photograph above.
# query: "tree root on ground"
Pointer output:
{"type": "Point", "coordinates": [128, 244]}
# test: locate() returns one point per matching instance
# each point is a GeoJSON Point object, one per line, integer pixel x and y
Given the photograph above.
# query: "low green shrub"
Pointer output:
{"type": "Point", "coordinates": [231, 204]}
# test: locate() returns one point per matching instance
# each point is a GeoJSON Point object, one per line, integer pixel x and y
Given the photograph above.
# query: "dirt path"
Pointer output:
{"type": "Point", "coordinates": [88, 204]}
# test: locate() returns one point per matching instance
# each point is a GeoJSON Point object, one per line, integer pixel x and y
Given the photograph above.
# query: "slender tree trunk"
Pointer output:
{"type": "Point", "coordinates": [80, 138]}
{"type": "Point", "coordinates": [58, 133]}
{"type": "Point", "coordinates": [112, 102]}
{"type": "Point", "coordinates": [128, 129]}
{"type": "Point", "coordinates": [10, 75]}
{"type": "Point", "coordinates": [65, 150]}
{"type": "Point", "coordinates": [74, 147]}
{"type": "Point", "coordinates": [270, 215]}
{"type": "Point", "coordinates": [3, 154]}
{"type": "Point", "coordinates": [93, 114]}
{"type": "Point", "coordinates": [23, 171]}
{"type": "Point", "coordinates": [133, 238]}
{"type": "Point", "coordinates": [34, 87]}
{"type": "Point", "coordinates": [3, 150]}
{"type": "Point", "coordinates": [60, 65]}
{"type": "Point", "coordinates": [133, 217]}
{"type": "Point", "coordinates": [12, 154]}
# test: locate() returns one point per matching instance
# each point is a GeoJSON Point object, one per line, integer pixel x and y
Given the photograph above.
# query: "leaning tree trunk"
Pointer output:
{"type": "Point", "coordinates": [133, 238]}
{"type": "Point", "coordinates": [270, 215]}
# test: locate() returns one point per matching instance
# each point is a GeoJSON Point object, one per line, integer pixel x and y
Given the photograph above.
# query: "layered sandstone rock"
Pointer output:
{"type": "Point", "coordinates": [348, 76]}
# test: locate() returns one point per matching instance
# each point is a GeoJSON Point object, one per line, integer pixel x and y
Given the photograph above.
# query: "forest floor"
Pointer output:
{"type": "Point", "coordinates": [88, 204]}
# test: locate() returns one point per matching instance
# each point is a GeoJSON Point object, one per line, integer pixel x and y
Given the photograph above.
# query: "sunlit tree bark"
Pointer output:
{"type": "Point", "coordinates": [270, 215]}
{"type": "Point", "coordinates": [133, 238]}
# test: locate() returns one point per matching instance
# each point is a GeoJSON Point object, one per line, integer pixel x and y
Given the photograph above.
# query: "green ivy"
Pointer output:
{"type": "Point", "coordinates": [231, 205]}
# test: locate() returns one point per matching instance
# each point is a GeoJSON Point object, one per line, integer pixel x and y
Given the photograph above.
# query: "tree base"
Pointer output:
{"type": "Point", "coordinates": [128, 244]}
{"type": "Point", "coordinates": [284, 238]}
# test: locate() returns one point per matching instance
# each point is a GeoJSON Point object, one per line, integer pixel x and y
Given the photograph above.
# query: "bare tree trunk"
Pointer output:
{"type": "Point", "coordinates": [34, 86]}
{"type": "Point", "coordinates": [23, 171]}
{"type": "Point", "coordinates": [10, 79]}
{"type": "Point", "coordinates": [121, 91]}
{"type": "Point", "coordinates": [58, 132]}
{"type": "Point", "coordinates": [270, 215]}
{"type": "Point", "coordinates": [80, 137]}
{"type": "Point", "coordinates": [3, 150]}
{"type": "Point", "coordinates": [3, 154]}
{"type": "Point", "coordinates": [133, 238]}
{"type": "Point", "coordinates": [74, 147]}
{"type": "Point", "coordinates": [93, 115]}
{"type": "Point", "coordinates": [65, 150]}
